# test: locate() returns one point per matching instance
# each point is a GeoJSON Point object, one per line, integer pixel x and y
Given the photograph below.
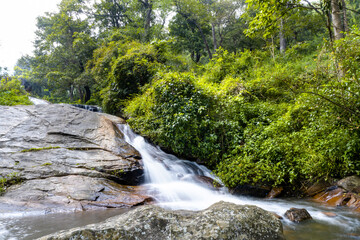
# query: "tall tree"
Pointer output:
{"type": "Point", "coordinates": [336, 15]}
{"type": "Point", "coordinates": [63, 46]}
{"type": "Point", "coordinates": [213, 14]}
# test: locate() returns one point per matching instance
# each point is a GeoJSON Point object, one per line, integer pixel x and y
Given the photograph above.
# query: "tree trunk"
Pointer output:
{"type": "Point", "coordinates": [282, 37]}
{"type": "Point", "coordinates": [328, 26]}
{"type": "Point", "coordinates": [87, 93]}
{"type": "Point", "coordinates": [147, 4]}
{"type": "Point", "coordinates": [71, 92]}
{"type": "Point", "coordinates": [214, 36]}
{"type": "Point", "coordinates": [336, 17]}
{"type": "Point", "coordinates": [346, 25]}
{"type": "Point", "coordinates": [204, 39]}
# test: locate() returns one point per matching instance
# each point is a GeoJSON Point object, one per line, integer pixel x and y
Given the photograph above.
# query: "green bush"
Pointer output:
{"type": "Point", "coordinates": [180, 115]}
{"type": "Point", "coordinates": [12, 93]}
{"type": "Point", "coordinates": [121, 68]}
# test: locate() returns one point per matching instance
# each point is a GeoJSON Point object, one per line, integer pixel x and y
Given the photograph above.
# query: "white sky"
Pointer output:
{"type": "Point", "coordinates": [18, 25]}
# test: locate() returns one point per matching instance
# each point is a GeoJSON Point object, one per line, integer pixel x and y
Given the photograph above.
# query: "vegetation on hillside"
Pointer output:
{"type": "Point", "coordinates": [11, 91]}
{"type": "Point", "coordinates": [259, 91]}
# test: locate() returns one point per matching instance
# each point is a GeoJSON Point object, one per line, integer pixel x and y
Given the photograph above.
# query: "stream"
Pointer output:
{"type": "Point", "coordinates": [176, 184]}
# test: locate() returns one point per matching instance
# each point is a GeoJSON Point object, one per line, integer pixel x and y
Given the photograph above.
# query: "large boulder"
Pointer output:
{"type": "Point", "coordinates": [351, 184]}
{"type": "Point", "coordinates": [59, 158]}
{"type": "Point", "coordinates": [220, 221]}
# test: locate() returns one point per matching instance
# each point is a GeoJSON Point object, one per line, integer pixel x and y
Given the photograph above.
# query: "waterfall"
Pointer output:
{"type": "Point", "coordinates": [176, 184]}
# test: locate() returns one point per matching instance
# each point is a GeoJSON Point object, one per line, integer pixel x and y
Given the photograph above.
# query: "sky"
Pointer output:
{"type": "Point", "coordinates": [18, 26]}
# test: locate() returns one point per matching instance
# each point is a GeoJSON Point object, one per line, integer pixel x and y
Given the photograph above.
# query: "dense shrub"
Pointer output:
{"type": "Point", "coordinates": [256, 120]}
{"type": "Point", "coordinates": [121, 68]}
{"type": "Point", "coordinates": [12, 93]}
{"type": "Point", "coordinates": [179, 114]}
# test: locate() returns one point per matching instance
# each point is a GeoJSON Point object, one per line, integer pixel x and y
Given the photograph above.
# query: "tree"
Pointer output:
{"type": "Point", "coordinates": [187, 37]}
{"type": "Point", "coordinates": [63, 46]}
{"type": "Point", "coordinates": [271, 16]}
{"type": "Point", "coordinates": [111, 14]}
{"type": "Point", "coordinates": [215, 15]}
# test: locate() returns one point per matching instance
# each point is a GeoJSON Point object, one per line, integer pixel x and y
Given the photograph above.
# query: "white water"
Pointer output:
{"type": "Point", "coordinates": [37, 101]}
{"type": "Point", "coordinates": [174, 184]}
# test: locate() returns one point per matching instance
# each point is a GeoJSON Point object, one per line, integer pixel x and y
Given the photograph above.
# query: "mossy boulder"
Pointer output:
{"type": "Point", "coordinates": [220, 221]}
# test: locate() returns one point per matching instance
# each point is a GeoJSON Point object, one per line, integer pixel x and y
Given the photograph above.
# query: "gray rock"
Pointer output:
{"type": "Point", "coordinates": [66, 158]}
{"type": "Point", "coordinates": [220, 221]}
{"type": "Point", "coordinates": [351, 184]}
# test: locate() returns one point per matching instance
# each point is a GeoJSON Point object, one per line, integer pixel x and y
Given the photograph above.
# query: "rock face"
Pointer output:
{"type": "Point", "coordinates": [297, 214]}
{"type": "Point", "coordinates": [63, 158]}
{"type": "Point", "coordinates": [220, 221]}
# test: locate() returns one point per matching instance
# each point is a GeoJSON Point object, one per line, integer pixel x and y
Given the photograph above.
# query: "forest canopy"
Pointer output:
{"type": "Point", "coordinates": [260, 91]}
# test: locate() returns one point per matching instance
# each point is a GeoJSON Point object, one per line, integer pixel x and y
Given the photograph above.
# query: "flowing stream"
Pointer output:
{"type": "Point", "coordinates": [181, 184]}
{"type": "Point", "coordinates": [177, 184]}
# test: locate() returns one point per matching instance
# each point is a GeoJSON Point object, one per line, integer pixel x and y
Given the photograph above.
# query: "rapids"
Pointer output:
{"type": "Point", "coordinates": [174, 183]}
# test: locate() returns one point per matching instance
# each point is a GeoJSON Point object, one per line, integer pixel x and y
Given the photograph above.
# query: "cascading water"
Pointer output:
{"type": "Point", "coordinates": [176, 184]}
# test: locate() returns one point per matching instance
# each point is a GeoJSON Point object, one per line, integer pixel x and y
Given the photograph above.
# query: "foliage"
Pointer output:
{"type": "Point", "coordinates": [38, 149]}
{"type": "Point", "coordinates": [8, 180]}
{"type": "Point", "coordinates": [186, 118]}
{"type": "Point", "coordinates": [121, 68]}
{"type": "Point", "coordinates": [12, 93]}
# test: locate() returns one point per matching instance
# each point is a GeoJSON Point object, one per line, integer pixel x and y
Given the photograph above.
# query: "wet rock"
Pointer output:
{"type": "Point", "coordinates": [204, 180]}
{"type": "Point", "coordinates": [335, 197]}
{"type": "Point", "coordinates": [209, 182]}
{"type": "Point", "coordinates": [354, 202]}
{"type": "Point", "coordinates": [276, 191]}
{"type": "Point", "coordinates": [65, 158]}
{"type": "Point", "coordinates": [277, 216]}
{"type": "Point", "coordinates": [220, 221]}
{"type": "Point", "coordinates": [297, 214]}
{"type": "Point", "coordinates": [351, 184]}
{"type": "Point", "coordinates": [344, 193]}
{"type": "Point", "coordinates": [251, 190]}
{"type": "Point", "coordinates": [317, 187]}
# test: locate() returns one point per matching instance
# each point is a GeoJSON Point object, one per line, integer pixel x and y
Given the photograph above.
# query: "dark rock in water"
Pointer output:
{"type": "Point", "coordinates": [209, 182]}
{"type": "Point", "coordinates": [351, 184]}
{"type": "Point", "coordinates": [250, 190]}
{"type": "Point", "coordinates": [88, 107]}
{"type": "Point", "coordinates": [297, 215]}
{"type": "Point", "coordinates": [220, 221]}
{"type": "Point", "coordinates": [62, 158]}
{"type": "Point", "coordinates": [204, 180]}
{"type": "Point", "coordinates": [276, 191]}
